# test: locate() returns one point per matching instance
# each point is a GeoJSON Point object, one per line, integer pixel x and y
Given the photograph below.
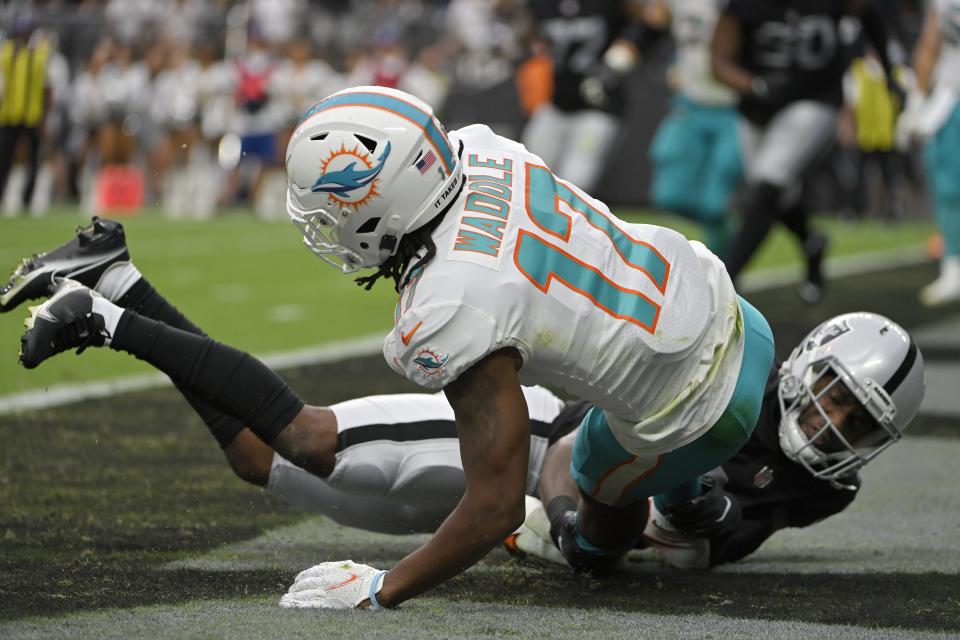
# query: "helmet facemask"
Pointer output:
{"type": "Point", "coordinates": [321, 234]}
{"type": "Point", "coordinates": [831, 451]}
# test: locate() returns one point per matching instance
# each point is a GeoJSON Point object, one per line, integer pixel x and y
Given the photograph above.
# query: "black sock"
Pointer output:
{"type": "Point", "coordinates": [796, 220]}
{"type": "Point", "coordinates": [760, 211]}
{"type": "Point", "coordinates": [145, 300]}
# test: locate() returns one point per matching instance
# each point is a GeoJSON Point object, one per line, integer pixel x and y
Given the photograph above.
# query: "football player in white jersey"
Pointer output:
{"type": "Point", "coordinates": [695, 153]}
{"type": "Point", "coordinates": [933, 114]}
{"type": "Point", "coordinates": [506, 275]}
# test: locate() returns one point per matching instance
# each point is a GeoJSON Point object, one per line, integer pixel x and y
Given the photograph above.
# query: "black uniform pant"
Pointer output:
{"type": "Point", "coordinates": [10, 135]}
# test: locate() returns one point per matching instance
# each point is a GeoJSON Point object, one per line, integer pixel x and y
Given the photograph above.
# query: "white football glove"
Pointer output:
{"type": "Point", "coordinates": [334, 585]}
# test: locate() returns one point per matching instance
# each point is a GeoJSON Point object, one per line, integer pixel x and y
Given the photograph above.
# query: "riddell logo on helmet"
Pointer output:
{"type": "Point", "coordinates": [349, 176]}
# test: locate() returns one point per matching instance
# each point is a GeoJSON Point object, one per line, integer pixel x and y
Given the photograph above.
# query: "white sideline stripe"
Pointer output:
{"type": "Point", "coordinates": [369, 345]}
{"type": "Point", "coordinates": [836, 268]}
{"type": "Point", "coordinates": [67, 393]}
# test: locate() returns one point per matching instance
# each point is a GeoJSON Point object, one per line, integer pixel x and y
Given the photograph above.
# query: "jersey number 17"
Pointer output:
{"type": "Point", "coordinates": [542, 259]}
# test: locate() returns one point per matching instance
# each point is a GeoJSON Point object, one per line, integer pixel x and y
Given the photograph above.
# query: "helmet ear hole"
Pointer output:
{"type": "Point", "coordinates": [369, 143]}
{"type": "Point", "coordinates": [369, 226]}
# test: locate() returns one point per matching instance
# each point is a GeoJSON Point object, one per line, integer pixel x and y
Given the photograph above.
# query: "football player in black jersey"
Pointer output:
{"type": "Point", "coordinates": [786, 59]}
{"type": "Point", "coordinates": [846, 393]}
{"type": "Point", "coordinates": [593, 44]}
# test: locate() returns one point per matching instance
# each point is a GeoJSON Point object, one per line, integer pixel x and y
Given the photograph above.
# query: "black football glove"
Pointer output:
{"type": "Point", "coordinates": [713, 513]}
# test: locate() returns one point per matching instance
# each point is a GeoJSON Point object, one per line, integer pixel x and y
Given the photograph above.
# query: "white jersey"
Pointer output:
{"type": "Point", "coordinates": [634, 318]}
{"type": "Point", "coordinates": [947, 73]}
{"type": "Point", "coordinates": [692, 23]}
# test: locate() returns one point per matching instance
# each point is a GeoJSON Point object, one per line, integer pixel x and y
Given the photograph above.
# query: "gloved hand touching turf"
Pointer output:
{"type": "Point", "coordinates": [334, 585]}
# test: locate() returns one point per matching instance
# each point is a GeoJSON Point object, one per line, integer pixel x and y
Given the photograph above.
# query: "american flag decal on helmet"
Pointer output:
{"type": "Point", "coordinates": [424, 163]}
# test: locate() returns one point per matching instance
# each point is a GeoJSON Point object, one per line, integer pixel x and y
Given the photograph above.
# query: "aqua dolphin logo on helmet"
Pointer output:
{"type": "Point", "coordinates": [342, 181]}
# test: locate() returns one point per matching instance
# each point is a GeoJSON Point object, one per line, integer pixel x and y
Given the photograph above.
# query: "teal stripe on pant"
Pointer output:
{"type": "Point", "coordinates": [596, 450]}
{"type": "Point", "coordinates": [941, 158]}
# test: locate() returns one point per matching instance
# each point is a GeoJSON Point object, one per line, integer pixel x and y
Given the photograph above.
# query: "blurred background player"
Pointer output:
{"type": "Point", "coordinates": [696, 152]}
{"type": "Point", "coordinates": [300, 78]}
{"type": "Point", "coordinates": [26, 59]}
{"type": "Point", "coordinates": [215, 105]}
{"type": "Point", "coordinates": [173, 113]}
{"type": "Point", "coordinates": [880, 172]}
{"type": "Point", "coordinates": [934, 115]}
{"type": "Point", "coordinates": [257, 119]}
{"type": "Point", "coordinates": [592, 46]}
{"type": "Point", "coordinates": [786, 61]}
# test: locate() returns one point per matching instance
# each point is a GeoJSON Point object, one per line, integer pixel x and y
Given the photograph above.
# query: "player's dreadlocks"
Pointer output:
{"type": "Point", "coordinates": [396, 266]}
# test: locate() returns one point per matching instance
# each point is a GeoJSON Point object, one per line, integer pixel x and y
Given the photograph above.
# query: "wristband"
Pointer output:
{"type": "Point", "coordinates": [375, 585]}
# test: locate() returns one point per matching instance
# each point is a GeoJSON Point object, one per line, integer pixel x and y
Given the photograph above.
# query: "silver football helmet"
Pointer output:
{"type": "Point", "coordinates": [365, 166]}
{"type": "Point", "coordinates": [877, 362]}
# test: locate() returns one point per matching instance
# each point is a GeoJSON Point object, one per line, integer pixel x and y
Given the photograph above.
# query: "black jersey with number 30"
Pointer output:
{"type": "Point", "coordinates": [579, 33]}
{"type": "Point", "coordinates": [796, 43]}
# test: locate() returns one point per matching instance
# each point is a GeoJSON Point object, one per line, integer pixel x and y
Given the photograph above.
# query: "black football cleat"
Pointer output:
{"type": "Point", "coordinates": [65, 321]}
{"type": "Point", "coordinates": [84, 259]}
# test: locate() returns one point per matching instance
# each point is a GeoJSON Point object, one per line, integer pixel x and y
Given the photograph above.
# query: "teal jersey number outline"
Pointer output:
{"type": "Point", "coordinates": [541, 261]}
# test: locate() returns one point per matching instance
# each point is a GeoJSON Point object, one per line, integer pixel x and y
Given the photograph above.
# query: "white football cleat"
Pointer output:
{"type": "Point", "coordinates": [678, 549]}
{"type": "Point", "coordinates": [946, 288]}
{"type": "Point", "coordinates": [532, 538]}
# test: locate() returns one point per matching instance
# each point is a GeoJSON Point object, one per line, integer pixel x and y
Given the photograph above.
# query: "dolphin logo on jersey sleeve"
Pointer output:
{"type": "Point", "coordinates": [430, 361]}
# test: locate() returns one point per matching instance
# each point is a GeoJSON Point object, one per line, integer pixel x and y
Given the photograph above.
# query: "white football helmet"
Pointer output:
{"type": "Point", "coordinates": [880, 365]}
{"type": "Point", "coordinates": [365, 166]}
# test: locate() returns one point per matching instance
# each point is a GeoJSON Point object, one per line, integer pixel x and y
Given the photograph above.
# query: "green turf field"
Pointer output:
{"type": "Point", "coordinates": [252, 285]}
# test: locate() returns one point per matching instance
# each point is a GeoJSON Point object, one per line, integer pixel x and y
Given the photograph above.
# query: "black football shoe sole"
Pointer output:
{"type": "Point", "coordinates": [84, 258]}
